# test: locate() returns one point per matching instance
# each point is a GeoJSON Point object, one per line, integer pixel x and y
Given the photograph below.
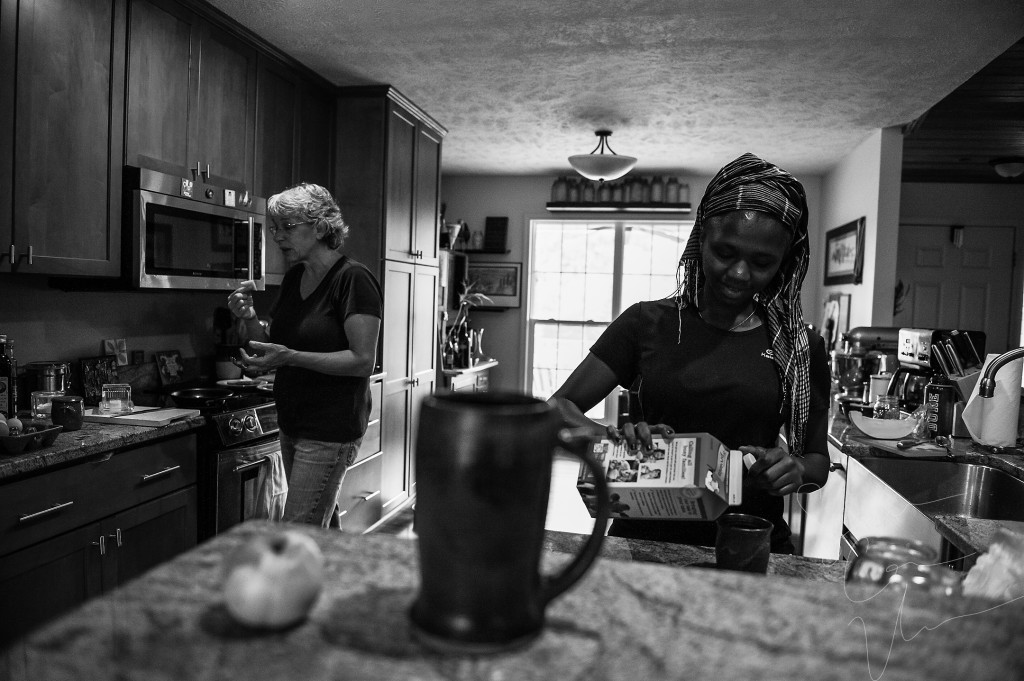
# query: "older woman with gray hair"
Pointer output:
{"type": "Point", "coordinates": [322, 342]}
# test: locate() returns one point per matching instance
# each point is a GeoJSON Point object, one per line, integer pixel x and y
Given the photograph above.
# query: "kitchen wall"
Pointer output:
{"type": "Point", "coordinates": [49, 325]}
{"type": "Point", "coordinates": [864, 184]}
{"type": "Point", "coordinates": [474, 198]}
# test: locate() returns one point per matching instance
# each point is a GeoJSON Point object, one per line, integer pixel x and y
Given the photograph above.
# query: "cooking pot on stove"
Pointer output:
{"type": "Point", "coordinates": [201, 398]}
{"type": "Point", "coordinates": [47, 376]}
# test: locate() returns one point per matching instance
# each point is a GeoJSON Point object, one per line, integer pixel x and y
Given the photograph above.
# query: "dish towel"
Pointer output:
{"type": "Point", "coordinates": [993, 421]}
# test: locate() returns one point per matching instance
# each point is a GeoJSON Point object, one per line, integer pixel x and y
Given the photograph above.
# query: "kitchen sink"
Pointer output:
{"type": "Point", "coordinates": [948, 487]}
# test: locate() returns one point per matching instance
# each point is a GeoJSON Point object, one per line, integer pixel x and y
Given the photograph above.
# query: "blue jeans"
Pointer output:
{"type": "Point", "coordinates": [315, 471]}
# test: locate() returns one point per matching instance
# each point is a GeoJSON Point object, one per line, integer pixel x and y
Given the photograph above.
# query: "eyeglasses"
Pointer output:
{"type": "Point", "coordinates": [288, 227]}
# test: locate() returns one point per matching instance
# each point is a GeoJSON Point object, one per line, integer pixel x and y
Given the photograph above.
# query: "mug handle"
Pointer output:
{"type": "Point", "coordinates": [578, 445]}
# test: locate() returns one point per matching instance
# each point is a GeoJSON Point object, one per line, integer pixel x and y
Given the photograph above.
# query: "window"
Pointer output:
{"type": "Point", "coordinates": [583, 273]}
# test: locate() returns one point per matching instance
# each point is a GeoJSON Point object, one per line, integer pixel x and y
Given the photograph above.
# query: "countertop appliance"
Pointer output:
{"type": "Point", "coordinates": [187, 234]}
{"type": "Point", "coordinates": [924, 353]}
{"type": "Point", "coordinates": [867, 350]}
{"type": "Point", "coordinates": [237, 450]}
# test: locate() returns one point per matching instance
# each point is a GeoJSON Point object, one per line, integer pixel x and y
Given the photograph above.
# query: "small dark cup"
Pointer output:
{"type": "Point", "coordinates": [67, 411]}
{"type": "Point", "coordinates": [743, 543]}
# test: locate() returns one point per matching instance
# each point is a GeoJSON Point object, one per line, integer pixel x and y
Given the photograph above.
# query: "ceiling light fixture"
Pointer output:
{"type": "Point", "coordinates": [1008, 166]}
{"type": "Point", "coordinates": [602, 166]}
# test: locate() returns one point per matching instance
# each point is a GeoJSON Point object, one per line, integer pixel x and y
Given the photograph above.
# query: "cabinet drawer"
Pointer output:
{"type": "Point", "coordinates": [50, 503]}
{"type": "Point", "coordinates": [360, 498]}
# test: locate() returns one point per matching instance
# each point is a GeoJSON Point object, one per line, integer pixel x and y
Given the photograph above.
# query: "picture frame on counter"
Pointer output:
{"type": "Point", "coordinates": [844, 253]}
{"type": "Point", "coordinates": [170, 366]}
{"type": "Point", "coordinates": [95, 372]}
{"type": "Point", "coordinates": [499, 281]}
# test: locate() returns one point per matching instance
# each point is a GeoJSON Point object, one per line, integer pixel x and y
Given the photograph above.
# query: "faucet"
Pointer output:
{"type": "Point", "coordinates": [987, 386]}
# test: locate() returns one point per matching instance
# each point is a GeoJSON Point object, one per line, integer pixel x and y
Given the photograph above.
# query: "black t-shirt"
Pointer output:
{"type": "Point", "coordinates": [311, 404]}
{"type": "Point", "coordinates": [713, 381]}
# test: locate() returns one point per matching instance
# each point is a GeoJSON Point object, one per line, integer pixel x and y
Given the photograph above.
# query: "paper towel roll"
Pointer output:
{"type": "Point", "coordinates": [993, 420]}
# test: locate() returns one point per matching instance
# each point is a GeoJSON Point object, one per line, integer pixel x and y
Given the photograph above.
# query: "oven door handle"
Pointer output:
{"type": "Point", "coordinates": [251, 464]}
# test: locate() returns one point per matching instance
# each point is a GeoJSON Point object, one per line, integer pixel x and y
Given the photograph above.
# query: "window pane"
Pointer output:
{"type": "Point", "coordinates": [575, 283]}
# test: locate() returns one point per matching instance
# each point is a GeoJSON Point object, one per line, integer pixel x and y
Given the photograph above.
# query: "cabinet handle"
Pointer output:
{"type": "Point", "coordinates": [9, 254]}
{"type": "Point", "coordinates": [412, 381]}
{"type": "Point", "coordinates": [27, 254]}
{"type": "Point", "coordinates": [102, 543]}
{"type": "Point", "coordinates": [150, 476]}
{"type": "Point", "coordinates": [52, 509]}
{"type": "Point", "coordinates": [206, 175]}
{"type": "Point", "coordinates": [116, 537]}
{"type": "Point", "coordinates": [366, 496]}
{"type": "Point", "coordinates": [834, 466]}
{"type": "Point", "coordinates": [196, 172]}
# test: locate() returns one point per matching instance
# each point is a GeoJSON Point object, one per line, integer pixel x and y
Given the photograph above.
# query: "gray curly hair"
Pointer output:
{"type": "Point", "coordinates": [312, 203]}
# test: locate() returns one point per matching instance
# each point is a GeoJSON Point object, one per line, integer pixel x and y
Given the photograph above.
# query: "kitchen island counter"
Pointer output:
{"type": "Point", "coordinates": [622, 620]}
{"type": "Point", "coordinates": [683, 555]}
{"type": "Point", "coordinates": [93, 439]}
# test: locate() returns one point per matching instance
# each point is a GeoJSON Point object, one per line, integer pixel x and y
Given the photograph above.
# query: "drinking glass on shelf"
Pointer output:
{"type": "Point", "coordinates": [886, 407]}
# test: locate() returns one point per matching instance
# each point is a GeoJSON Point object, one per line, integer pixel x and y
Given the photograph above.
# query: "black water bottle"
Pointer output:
{"type": "Point", "coordinates": [939, 399]}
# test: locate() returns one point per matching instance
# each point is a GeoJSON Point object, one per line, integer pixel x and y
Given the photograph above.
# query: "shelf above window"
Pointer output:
{"type": "Point", "coordinates": [567, 207]}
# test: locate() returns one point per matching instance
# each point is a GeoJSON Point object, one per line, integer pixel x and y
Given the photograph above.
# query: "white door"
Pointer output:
{"type": "Point", "coordinates": [950, 287]}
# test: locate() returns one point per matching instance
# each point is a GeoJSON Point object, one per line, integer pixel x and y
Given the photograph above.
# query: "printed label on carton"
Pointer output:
{"type": "Point", "coordinates": [688, 476]}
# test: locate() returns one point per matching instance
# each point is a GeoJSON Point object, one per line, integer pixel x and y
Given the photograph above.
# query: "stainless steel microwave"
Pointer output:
{"type": "Point", "coordinates": [186, 234]}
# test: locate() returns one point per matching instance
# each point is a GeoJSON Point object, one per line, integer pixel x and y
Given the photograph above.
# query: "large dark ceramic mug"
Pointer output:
{"type": "Point", "coordinates": [483, 473]}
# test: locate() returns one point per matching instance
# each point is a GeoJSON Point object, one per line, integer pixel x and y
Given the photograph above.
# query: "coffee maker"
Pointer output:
{"type": "Point", "coordinates": [924, 353]}
{"type": "Point", "coordinates": [867, 350]}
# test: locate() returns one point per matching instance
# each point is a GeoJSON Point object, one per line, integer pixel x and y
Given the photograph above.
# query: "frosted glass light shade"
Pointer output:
{"type": "Point", "coordinates": [600, 166]}
{"type": "Point", "coordinates": [1008, 167]}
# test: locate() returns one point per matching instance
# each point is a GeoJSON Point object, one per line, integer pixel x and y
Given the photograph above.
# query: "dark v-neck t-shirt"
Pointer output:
{"type": "Point", "coordinates": [710, 381]}
{"type": "Point", "coordinates": [311, 404]}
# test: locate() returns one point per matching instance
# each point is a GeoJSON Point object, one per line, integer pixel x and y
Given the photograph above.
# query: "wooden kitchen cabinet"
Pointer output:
{"type": "Point", "coordinates": [387, 174]}
{"type": "Point", "coordinates": [72, 533]}
{"type": "Point", "coordinates": [61, 141]}
{"type": "Point", "coordinates": [191, 100]}
{"type": "Point", "coordinates": [410, 358]}
{"type": "Point", "coordinates": [294, 133]}
{"type": "Point", "coordinates": [387, 182]}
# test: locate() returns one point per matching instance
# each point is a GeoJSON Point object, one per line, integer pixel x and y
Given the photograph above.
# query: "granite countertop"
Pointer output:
{"type": "Point", "coordinates": [623, 620]}
{"type": "Point", "coordinates": [682, 555]}
{"type": "Point", "coordinates": [970, 535]}
{"type": "Point", "coordinates": [93, 439]}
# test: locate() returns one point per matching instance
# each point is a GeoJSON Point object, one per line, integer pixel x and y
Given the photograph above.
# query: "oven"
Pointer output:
{"type": "Point", "coordinates": [241, 472]}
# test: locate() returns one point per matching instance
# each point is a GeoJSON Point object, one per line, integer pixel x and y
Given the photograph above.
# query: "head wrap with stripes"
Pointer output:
{"type": "Point", "coordinates": [750, 183]}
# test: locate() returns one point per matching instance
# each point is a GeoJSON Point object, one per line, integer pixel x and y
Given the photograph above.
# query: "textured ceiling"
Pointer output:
{"type": "Point", "coordinates": [685, 85]}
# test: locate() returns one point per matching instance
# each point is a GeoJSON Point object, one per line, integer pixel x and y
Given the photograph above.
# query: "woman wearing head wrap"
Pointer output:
{"type": "Point", "coordinates": [729, 354]}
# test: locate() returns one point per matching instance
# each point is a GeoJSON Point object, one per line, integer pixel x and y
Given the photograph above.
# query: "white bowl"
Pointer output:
{"type": "Point", "coordinates": [884, 429]}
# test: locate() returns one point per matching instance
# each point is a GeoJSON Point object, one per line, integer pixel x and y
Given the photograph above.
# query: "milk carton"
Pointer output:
{"type": "Point", "coordinates": [685, 476]}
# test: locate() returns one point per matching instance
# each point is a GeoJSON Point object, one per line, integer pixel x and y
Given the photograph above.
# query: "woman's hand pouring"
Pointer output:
{"type": "Point", "coordinates": [638, 435]}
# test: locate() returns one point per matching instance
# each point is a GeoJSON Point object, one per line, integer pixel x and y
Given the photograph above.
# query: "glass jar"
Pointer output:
{"type": "Point", "coordinates": [42, 402]}
{"type": "Point", "coordinates": [68, 411]}
{"type": "Point", "coordinates": [884, 561]}
{"type": "Point", "coordinates": [886, 407]}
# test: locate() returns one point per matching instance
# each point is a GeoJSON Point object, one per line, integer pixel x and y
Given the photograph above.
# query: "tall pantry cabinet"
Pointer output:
{"type": "Point", "coordinates": [387, 182]}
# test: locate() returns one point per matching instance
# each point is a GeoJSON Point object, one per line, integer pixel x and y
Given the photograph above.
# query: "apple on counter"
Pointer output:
{"type": "Point", "coordinates": [273, 582]}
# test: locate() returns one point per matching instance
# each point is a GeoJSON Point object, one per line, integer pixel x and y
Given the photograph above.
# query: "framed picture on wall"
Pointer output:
{"type": "Point", "coordinates": [95, 372]}
{"type": "Point", "coordinates": [844, 254]}
{"type": "Point", "coordinates": [499, 281]}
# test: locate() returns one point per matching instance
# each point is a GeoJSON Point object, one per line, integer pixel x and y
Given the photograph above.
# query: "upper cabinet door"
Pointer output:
{"type": "Point", "coordinates": [159, 86]}
{"type": "Point", "coordinates": [191, 96]}
{"type": "Point", "coordinates": [428, 187]}
{"type": "Point", "coordinates": [67, 143]}
{"type": "Point", "coordinates": [225, 113]}
{"type": "Point", "coordinates": [399, 243]}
